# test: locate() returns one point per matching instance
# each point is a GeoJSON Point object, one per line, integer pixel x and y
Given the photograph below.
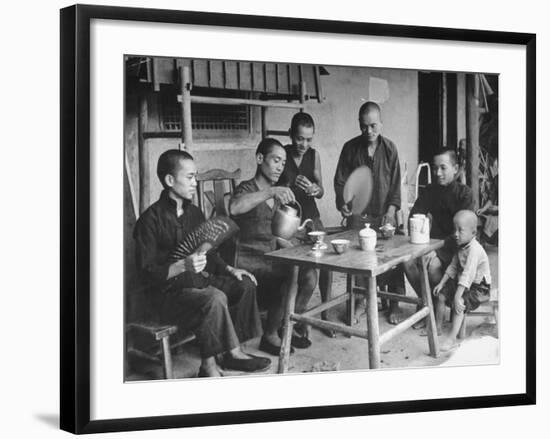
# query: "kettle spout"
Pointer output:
{"type": "Point", "coordinates": [309, 220]}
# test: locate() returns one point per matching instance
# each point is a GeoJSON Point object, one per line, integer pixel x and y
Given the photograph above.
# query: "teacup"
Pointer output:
{"type": "Point", "coordinates": [340, 245]}
{"type": "Point", "coordinates": [387, 231]}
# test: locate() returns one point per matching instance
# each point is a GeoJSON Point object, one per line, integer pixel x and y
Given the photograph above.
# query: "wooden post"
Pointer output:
{"type": "Point", "coordinates": [373, 330]}
{"type": "Point", "coordinates": [444, 104]}
{"type": "Point", "coordinates": [472, 136]}
{"type": "Point", "coordinates": [303, 92]}
{"type": "Point", "coordinates": [185, 84]}
{"type": "Point", "coordinates": [144, 175]}
{"type": "Point", "coordinates": [264, 122]}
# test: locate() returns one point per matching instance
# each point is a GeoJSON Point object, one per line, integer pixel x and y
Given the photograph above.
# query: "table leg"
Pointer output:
{"type": "Point", "coordinates": [325, 290]}
{"type": "Point", "coordinates": [372, 324]}
{"type": "Point", "coordinates": [290, 302]}
{"type": "Point", "coordinates": [350, 308]}
{"type": "Point", "coordinates": [427, 299]}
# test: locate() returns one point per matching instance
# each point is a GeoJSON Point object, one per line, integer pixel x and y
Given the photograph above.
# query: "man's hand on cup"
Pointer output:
{"type": "Point", "coordinates": [303, 183]}
{"type": "Point", "coordinates": [283, 194]}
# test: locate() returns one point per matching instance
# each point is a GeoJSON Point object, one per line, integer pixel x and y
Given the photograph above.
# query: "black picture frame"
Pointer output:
{"type": "Point", "coordinates": [75, 216]}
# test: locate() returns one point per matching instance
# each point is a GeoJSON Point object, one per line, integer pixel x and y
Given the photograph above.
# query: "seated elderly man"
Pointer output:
{"type": "Point", "coordinates": [201, 293]}
{"type": "Point", "coordinates": [252, 206]}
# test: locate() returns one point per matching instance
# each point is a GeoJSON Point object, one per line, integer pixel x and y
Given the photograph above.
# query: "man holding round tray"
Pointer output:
{"type": "Point", "coordinates": [370, 151]}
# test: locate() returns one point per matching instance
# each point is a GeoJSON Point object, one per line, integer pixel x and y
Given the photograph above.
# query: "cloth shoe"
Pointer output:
{"type": "Point", "coordinates": [297, 341]}
{"type": "Point", "coordinates": [270, 348]}
{"type": "Point", "coordinates": [252, 364]}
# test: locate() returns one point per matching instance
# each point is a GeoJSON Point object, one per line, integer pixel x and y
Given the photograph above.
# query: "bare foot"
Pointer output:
{"type": "Point", "coordinates": [395, 315]}
{"type": "Point", "coordinates": [420, 325]}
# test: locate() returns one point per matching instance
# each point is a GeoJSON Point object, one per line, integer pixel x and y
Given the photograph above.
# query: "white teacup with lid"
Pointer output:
{"type": "Point", "coordinates": [367, 238]}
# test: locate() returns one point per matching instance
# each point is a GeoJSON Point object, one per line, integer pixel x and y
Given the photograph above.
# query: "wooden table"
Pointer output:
{"type": "Point", "coordinates": [388, 254]}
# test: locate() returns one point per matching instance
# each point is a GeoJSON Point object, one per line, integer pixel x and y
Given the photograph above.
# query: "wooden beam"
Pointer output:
{"type": "Point", "coordinates": [185, 84]}
{"type": "Point", "coordinates": [242, 101]}
{"type": "Point", "coordinates": [472, 136]}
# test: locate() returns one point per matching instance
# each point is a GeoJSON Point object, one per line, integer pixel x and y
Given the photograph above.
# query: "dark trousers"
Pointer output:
{"type": "Point", "coordinates": [220, 310]}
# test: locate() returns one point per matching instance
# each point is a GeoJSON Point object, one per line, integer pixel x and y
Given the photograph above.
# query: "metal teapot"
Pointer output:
{"type": "Point", "coordinates": [286, 221]}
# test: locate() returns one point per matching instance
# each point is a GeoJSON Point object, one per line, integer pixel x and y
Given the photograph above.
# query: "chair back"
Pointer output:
{"type": "Point", "coordinates": [214, 190]}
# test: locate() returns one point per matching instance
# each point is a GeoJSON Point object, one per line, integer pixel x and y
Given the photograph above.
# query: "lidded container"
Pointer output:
{"type": "Point", "coordinates": [419, 228]}
{"type": "Point", "coordinates": [367, 238]}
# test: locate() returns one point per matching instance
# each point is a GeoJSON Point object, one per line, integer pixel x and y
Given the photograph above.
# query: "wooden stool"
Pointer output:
{"type": "Point", "coordinates": [160, 333]}
{"type": "Point", "coordinates": [493, 304]}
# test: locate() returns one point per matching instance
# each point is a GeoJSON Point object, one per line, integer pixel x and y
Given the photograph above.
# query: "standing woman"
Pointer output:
{"type": "Point", "coordinates": [302, 174]}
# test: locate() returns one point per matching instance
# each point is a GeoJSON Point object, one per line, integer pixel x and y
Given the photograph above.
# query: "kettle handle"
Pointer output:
{"type": "Point", "coordinates": [299, 208]}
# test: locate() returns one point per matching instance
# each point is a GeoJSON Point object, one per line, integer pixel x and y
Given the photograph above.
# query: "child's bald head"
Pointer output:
{"type": "Point", "coordinates": [465, 222]}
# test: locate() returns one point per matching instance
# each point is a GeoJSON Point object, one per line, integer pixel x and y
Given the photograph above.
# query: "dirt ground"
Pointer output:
{"type": "Point", "coordinates": [408, 350]}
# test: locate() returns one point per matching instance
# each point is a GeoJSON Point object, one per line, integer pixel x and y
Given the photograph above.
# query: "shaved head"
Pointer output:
{"type": "Point", "coordinates": [368, 107]}
{"type": "Point", "coordinates": [466, 218]}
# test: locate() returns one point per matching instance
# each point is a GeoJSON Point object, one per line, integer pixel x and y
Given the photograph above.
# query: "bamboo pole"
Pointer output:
{"type": "Point", "coordinates": [144, 177]}
{"type": "Point", "coordinates": [472, 136]}
{"type": "Point", "coordinates": [185, 84]}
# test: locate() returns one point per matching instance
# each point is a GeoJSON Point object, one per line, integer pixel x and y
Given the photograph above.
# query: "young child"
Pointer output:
{"type": "Point", "coordinates": [440, 201]}
{"type": "Point", "coordinates": [467, 281]}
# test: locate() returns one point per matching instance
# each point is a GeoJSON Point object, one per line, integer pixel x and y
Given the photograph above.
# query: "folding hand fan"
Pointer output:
{"type": "Point", "coordinates": [205, 237]}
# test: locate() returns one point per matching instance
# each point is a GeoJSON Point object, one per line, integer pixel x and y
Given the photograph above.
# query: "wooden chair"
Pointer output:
{"type": "Point", "coordinates": [214, 190]}
{"type": "Point", "coordinates": [223, 185]}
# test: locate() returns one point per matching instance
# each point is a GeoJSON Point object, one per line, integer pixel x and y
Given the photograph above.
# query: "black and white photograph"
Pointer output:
{"type": "Point", "coordinates": [281, 218]}
{"type": "Point", "coordinates": [271, 220]}
{"type": "Point", "coordinates": [285, 218]}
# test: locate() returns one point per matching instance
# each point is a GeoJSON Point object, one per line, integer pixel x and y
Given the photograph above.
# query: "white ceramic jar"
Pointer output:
{"type": "Point", "coordinates": [419, 227]}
